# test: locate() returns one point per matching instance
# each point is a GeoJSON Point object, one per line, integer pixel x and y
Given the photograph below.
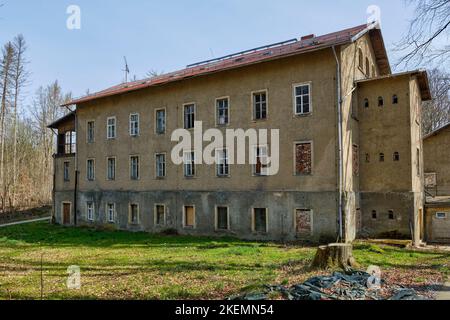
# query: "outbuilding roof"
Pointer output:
{"type": "Point", "coordinates": [258, 55]}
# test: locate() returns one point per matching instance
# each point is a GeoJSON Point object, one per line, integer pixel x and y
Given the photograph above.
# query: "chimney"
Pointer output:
{"type": "Point", "coordinates": [308, 37]}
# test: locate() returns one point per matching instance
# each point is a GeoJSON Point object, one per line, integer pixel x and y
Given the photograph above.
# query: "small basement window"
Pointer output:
{"type": "Point", "coordinates": [380, 101]}
{"type": "Point", "coordinates": [441, 215]}
{"type": "Point", "coordinates": [391, 215]}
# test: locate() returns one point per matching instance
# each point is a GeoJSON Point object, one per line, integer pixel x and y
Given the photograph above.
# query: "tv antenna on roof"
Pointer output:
{"type": "Point", "coordinates": [126, 70]}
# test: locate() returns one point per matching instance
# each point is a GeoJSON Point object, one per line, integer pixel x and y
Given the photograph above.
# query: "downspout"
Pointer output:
{"type": "Point", "coordinates": [341, 167]}
{"type": "Point", "coordinates": [75, 192]}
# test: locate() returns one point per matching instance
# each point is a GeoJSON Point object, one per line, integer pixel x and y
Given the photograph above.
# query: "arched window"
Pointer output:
{"type": "Point", "coordinates": [367, 68]}
{"type": "Point", "coordinates": [360, 58]}
{"type": "Point", "coordinates": [366, 103]}
{"type": "Point", "coordinates": [381, 157]}
{"type": "Point", "coordinates": [396, 156]}
{"type": "Point", "coordinates": [380, 101]}
{"type": "Point", "coordinates": [394, 99]}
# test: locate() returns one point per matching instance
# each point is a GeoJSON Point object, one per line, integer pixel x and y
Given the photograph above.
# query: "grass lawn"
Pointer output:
{"type": "Point", "coordinates": [121, 265]}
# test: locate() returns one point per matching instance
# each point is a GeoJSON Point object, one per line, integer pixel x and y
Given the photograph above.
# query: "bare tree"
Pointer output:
{"type": "Point", "coordinates": [19, 80]}
{"type": "Point", "coordinates": [427, 38]}
{"type": "Point", "coordinates": [436, 113]}
{"type": "Point", "coordinates": [6, 75]}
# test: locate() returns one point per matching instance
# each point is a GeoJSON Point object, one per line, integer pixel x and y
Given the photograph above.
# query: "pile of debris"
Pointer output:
{"type": "Point", "coordinates": [338, 286]}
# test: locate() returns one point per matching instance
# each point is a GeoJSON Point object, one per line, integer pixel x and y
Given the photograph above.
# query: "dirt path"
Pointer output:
{"type": "Point", "coordinates": [25, 221]}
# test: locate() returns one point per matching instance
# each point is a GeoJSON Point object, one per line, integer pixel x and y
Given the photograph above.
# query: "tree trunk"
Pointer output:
{"type": "Point", "coordinates": [334, 255]}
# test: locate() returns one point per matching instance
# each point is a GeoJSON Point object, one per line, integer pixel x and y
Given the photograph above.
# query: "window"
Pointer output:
{"type": "Point", "coordinates": [161, 121]}
{"type": "Point", "coordinates": [90, 211]}
{"type": "Point", "coordinates": [111, 169]}
{"type": "Point", "coordinates": [394, 99]}
{"type": "Point", "coordinates": [380, 101]}
{"type": "Point", "coordinates": [260, 220]}
{"type": "Point", "coordinates": [367, 68]}
{"type": "Point", "coordinates": [260, 105]}
{"type": "Point", "coordinates": [418, 162]}
{"type": "Point", "coordinates": [160, 215]}
{"type": "Point", "coordinates": [374, 215]}
{"type": "Point", "coordinates": [111, 128]}
{"type": "Point", "coordinates": [189, 116]}
{"type": "Point", "coordinates": [66, 171]}
{"type": "Point", "coordinates": [223, 168]}
{"type": "Point", "coordinates": [189, 216]}
{"type": "Point", "coordinates": [391, 215]}
{"type": "Point", "coordinates": [396, 156]}
{"type": "Point", "coordinates": [260, 166]}
{"type": "Point", "coordinates": [70, 142]}
{"type": "Point", "coordinates": [367, 158]}
{"type": "Point", "coordinates": [189, 164]}
{"type": "Point", "coordinates": [222, 218]}
{"type": "Point", "coordinates": [302, 99]}
{"type": "Point", "coordinates": [90, 131]}
{"type": "Point", "coordinates": [355, 160]}
{"type": "Point", "coordinates": [303, 221]}
{"type": "Point", "coordinates": [134, 168]}
{"type": "Point", "coordinates": [360, 59]}
{"type": "Point", "coordinates": [111, 212]}
{"type": "Point", "coordinates": [160, 165]}
{"type": "Point", "coordinates": [134, 213]}
{"type": "Point", "coordinates": [303, 158]}
{"type": "Point", "coordinates": [366, 103]}
{"type": "Point", "coordinates": [134, 125]}
{"type": "Point", "coordinates": [223, 112]}
{"type": "Point", "coordinates": [381, 157]}
{"type": "Point", "coordinates": [91, 169]}
{"type": "Point", "coordinates": [441, 215]}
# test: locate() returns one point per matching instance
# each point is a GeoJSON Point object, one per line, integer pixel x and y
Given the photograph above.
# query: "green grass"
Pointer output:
{"type": "Point", "coordinates": [122, 265]}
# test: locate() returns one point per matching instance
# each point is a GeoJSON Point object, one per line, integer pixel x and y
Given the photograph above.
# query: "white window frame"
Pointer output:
{"type": "Point", "coordinates": [183, 114]}
{"type": "Point", "coordinates": [165, 121]}
{"type": "Point", "coordinates": [254, 220]}
{"type": "Point", "coordinates": [264, 171]}
{"type": "Point", "coordinates": [253, 104]}
{"type": "Point", "coordinates": [191, 164]}
{"type": "Point", "coordinates": [89, 141]}
{"type": "Point", "coordinates": [90, 211]}
{"type": "Point", "coordinates": [441, 217]}
{"type": "Point", "coordinates": [130, 210]}
{"type": "Point", "coordinates": [156, 165]}
{"type": "Point", "coordinates": [295, 158]}
{"type": "Point", "coordinates": [216, 218]}
{"type": "Point", "coordinates": [93, 169]}
{"type": "Point", "coordinates": [220, 165]}
{"type": "Point", "coordinates": [68, 171]}
{"type": "Point", "coordinates": [311, 217]}
{"type": "Point", "coordinates": [156, 214]}
{"type": "Point", "coordinates": [134, 127]}
{"type": "Point", "coordinates": [108, 126]}
{"type": "Point", "coordinates": [295, 96]}
{"type": "Point", "coordinates": [137, 168]}
{"type": "Point", "coordinates": [227, 123]}
{"type": "Point", "coordinates": [108, 212]}
{"type": "Point", "coordinates": [107, 168]}
{"type": "Point", "coordinates": [184, 217]}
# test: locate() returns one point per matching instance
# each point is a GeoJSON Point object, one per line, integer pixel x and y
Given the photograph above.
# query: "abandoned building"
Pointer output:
{"type": "Point", "coordinates": [436, 146]}
{"type": "Point", "coordinates": [351, 155]}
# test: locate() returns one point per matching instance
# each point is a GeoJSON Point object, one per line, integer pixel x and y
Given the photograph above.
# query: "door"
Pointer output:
{"type": "Point", "coordinates": [66, 213]}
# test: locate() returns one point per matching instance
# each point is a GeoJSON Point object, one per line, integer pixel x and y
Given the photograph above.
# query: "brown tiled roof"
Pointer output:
{"type": "Point", "coordinates": [248, 58]}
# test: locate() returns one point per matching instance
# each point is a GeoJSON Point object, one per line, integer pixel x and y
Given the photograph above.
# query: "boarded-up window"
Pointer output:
{"type": "Point", "coordinates": [303, 158]}
{"type": "Point", "coordinates": [160, 215]}
{"type": "Point", "coordinates": [222, 218]}
{"type": "Point", "coordinates": [189, 216]}
{"type": "Point", "coordinates": [303, 221]}
{"type": "Point", "coordinates": [260, 220]}
{"type": "Point", "coordinates": [355, 160]}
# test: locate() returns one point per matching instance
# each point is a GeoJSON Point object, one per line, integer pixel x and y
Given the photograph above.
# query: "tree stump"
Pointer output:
{"type": "Point", "coordinates": [334, 255]}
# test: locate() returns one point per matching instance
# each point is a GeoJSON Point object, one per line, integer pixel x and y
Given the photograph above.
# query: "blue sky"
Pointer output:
{"type": "Point", "coordinates": [168, 35]}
